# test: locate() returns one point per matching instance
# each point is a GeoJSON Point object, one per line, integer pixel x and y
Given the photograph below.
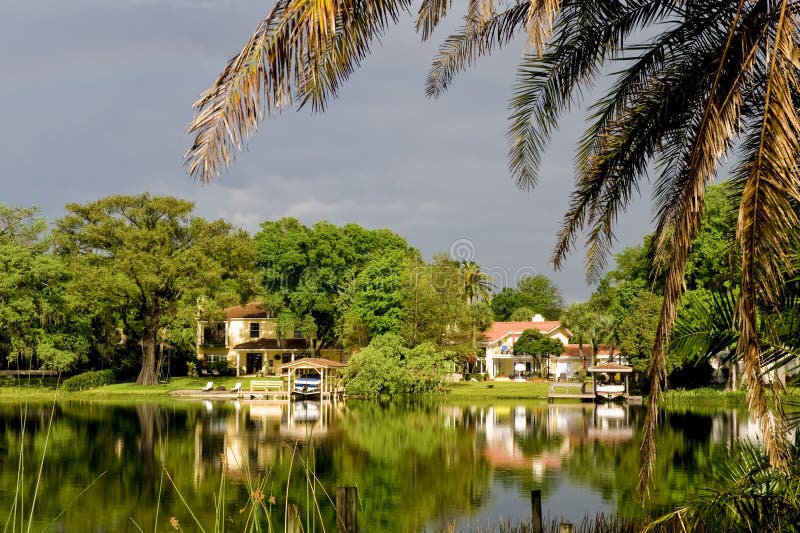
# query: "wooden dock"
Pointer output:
{"type": "Point", "coordinates": [569, 391]}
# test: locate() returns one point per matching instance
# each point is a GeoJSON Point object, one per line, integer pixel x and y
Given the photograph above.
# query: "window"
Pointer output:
{"type": "Point", "coordinates": [214, 334]}
{"type": "Point", "coordinates": [255, 330]}
{"type": "Point", "coordinates": [298, 334]}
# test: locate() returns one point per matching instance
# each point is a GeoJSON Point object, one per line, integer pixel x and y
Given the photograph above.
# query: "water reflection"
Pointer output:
{"type": "Point", "coordinates": [417, 466]}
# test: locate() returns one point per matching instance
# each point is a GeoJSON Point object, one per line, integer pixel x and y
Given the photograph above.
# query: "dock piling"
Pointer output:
{"type": "Point", "coordinates": [536, 511]}
{"type": "Point", "coordinates": [346, 509]}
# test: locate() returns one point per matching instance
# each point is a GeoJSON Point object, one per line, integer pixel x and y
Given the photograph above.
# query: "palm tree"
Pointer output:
{"type": "Point", "coordinates": [477, 285]}
{"type": "Point", "coordinates": [717, 78]}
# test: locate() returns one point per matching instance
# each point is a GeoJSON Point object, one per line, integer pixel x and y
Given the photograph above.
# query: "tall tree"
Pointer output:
{"type": "Point", "coordinates": [315, 270]}
{"type": "Point", "coordinates": [144, 253]}
{"type": "Point", "coordinates": [536, 293]}
{"type": "Point", "coordinates": [477, 284]}
{"type": "Point", "coordinates": [40, 322]}
{"type": "Point", "coordinates": [589, 326]}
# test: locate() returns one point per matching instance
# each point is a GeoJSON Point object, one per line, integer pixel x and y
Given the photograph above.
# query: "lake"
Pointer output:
{"type": "Point", "coordinates": [418, 466]}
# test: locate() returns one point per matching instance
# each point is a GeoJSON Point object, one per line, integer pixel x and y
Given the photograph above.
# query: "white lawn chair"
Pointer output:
{"type": "Point", "coordinates": [209, 386]}
{"type": "Point", "coordinates": [237, 388]}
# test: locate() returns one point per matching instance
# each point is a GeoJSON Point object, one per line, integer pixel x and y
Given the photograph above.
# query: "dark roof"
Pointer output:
{"type": "Point", "coordinates": [610, 367]}
{"type": "Point", "coordinates": [295, 344]}
{"type": "Point", "coordinates": [272, 344]}
{"type": "Point", "coordinates": [251, 310]}
{"type": "Point", "coordinates": [258, 344]}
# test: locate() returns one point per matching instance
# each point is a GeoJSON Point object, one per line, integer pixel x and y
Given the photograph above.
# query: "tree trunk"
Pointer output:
{"type": "Point", "coordinates": [147, 375]}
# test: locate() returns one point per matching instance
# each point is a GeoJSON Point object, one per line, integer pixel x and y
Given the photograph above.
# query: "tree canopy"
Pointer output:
{"type": "Point", "coordinates": [141, 255]}
{"type": "Point", "coordinates": [534, 293]}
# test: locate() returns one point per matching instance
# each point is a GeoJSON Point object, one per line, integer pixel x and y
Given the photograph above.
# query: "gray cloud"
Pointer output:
{"type": "Point", "coordinates": [101, 105]}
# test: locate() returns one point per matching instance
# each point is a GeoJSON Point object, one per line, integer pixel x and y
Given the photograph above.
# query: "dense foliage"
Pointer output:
{"type": "Point", "coordinates": [120, 283]}
{"type": "Point", "coordinates": [534, 343]}
{"type": "Point", "coordinates": [533, 295]}
{"type": "Point", "coordinates": [387, 367]}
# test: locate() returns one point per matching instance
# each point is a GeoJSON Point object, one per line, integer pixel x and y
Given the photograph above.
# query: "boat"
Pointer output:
{"type": "Point", "coordinates": [307, 386]}
{"type": "Point", "coordinates": [610, 392]}
{"type": "Point", "coordinates": [610, 387]}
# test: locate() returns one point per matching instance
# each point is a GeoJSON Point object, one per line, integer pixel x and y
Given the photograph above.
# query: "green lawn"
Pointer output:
{"type": "Point", "coordinates": [469, 390]}
{"type": "Point", "coordinates": [46, 389]}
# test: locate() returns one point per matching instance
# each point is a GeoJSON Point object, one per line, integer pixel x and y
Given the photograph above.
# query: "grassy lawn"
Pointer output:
{"type": "Point", "coordinates": [470, 390]}
{"type": "Point", "coordinates": [46, 389]}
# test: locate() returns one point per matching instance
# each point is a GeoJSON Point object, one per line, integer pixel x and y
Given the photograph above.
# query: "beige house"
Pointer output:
{"type": "Point", "coordinates": [246, 340]}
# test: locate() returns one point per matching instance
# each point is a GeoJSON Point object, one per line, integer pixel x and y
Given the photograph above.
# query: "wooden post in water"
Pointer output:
{"type": "Point", "coordinates": [536, 511]}
{"type": "Point", "coordinates": [346, 509]}
{"type": "Point", "coordinates": [566, 527]}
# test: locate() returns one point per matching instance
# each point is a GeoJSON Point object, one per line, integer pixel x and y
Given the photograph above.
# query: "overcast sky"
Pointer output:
{"type": "Point", "coordinates": [96, 95]}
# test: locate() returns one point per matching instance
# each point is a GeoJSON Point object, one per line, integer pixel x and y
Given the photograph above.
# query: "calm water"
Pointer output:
{"type": "Point", "coordinates": [417, 467]}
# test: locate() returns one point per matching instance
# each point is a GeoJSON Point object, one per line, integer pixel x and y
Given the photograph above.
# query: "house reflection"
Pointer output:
{"type": "Point", "coordinates": [249, 437]}
{"type": "Point", "coordinates": [539, 437]}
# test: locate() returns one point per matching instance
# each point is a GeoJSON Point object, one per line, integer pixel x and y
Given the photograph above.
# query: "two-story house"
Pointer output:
{"type": "Point", "coordinates": [246, 340]}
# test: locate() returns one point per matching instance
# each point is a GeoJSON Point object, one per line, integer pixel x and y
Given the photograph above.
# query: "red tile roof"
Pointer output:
{"type": "Point", "coordinates": [251, 310]}
{"type": "Point", "coordinates": [498, 330]}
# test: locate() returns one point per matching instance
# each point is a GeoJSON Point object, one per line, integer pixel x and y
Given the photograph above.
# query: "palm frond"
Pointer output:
{"type": "Point", "coordinates": [747, 494]}
{"type": "Point", "coordinates": [539, 22]}
{"type": "Point", "coordinates": [720, 120]}
{"type": "Point", "coordinates": [767, 214]}
{"type": "Point", "coordinates": [302, 51]}
{"type": "Point", "coordinates": [429, 15]}
{"type": "Point", "coordinates": [703, 331]}
{"type": "Point", "coordinates": [546, 86]}
{"type": "Point", "coordinates": [478, 37]}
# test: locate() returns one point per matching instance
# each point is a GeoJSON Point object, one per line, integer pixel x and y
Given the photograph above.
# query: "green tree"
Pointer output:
{"type": "Point", "coordinates": [637, 331]}
{"type": "Point", "coordinates": [477, 284]}
{"type": "Point", "coordinates": [434, 309]}
{"type": "Point", "coordinates": [285, 324]}
{"type": "Point", "coordinates": [317, 270]}
{"type": "Point", "coordinates": [533, 293]}
{"type": "Point", "coordinates": [588, 326]}
{"type": "Point", "coordinates": [534, 343]}
{"type": "Point", "coordinates": [308, 328]}
{"type": "Point", "coordinates": [42, 316]}
{"type": "Point", "coordinates": [143, 254]}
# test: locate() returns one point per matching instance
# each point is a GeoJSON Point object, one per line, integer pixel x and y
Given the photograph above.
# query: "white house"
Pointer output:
{"type": "Point", "coordinates": [499, 341]}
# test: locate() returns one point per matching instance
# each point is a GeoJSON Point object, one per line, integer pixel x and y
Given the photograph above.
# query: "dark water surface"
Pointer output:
{"type": "Point", "coordinates": [418, 467]}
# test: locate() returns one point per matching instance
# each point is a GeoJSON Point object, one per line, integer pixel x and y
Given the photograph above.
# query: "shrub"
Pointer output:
{"type": "Point", "coordinates": [387, 367]}
{"type": "Point", "coordinates": [88, 380]}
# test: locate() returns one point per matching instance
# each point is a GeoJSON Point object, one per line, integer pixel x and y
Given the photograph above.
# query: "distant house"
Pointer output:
{"type": "Point", "coordinates": [499, 341]}
{"type": "Point", "coordinates": [246, 340]}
